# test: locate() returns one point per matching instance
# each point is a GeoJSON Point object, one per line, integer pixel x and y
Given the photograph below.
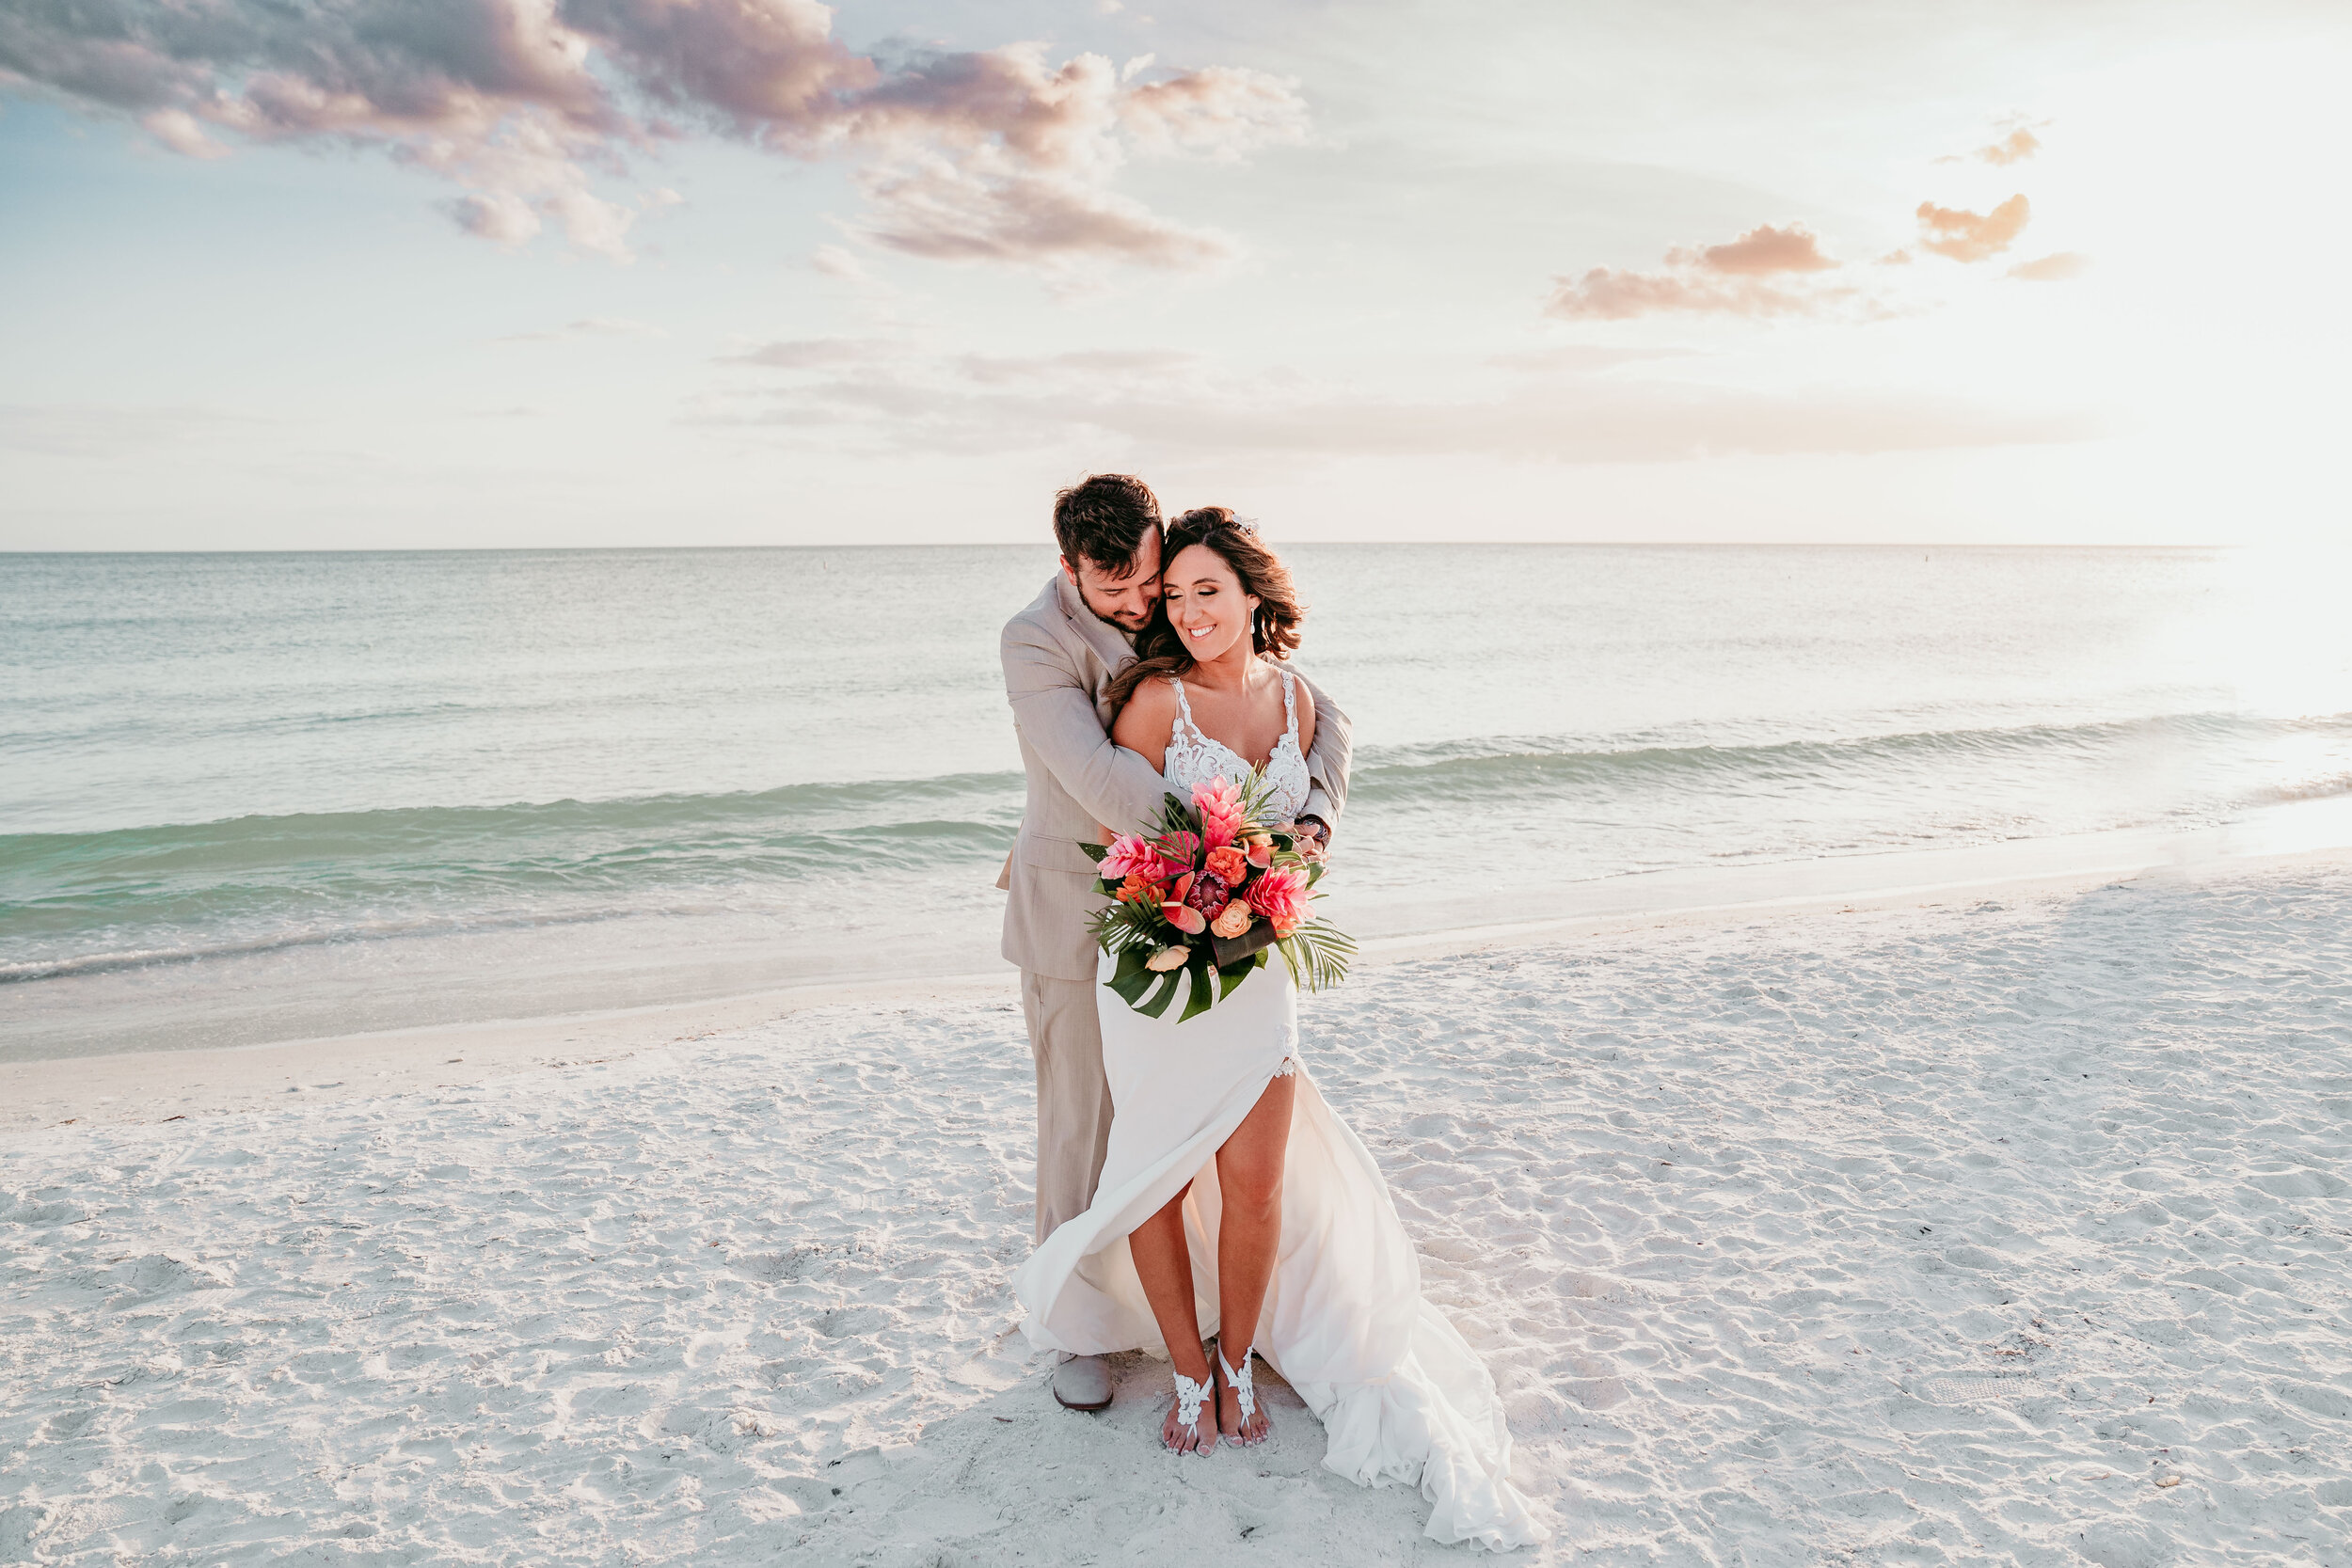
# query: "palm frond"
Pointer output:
{"type": "Point", "coordinates": [1319, 953]}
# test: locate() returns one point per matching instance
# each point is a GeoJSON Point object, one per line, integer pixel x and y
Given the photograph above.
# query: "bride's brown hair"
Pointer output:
{"type": "Point", "coordinates": [1273, 630]}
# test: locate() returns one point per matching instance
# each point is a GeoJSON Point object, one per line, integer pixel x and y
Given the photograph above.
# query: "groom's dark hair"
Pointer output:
{"type": "Point", "coordinates": [1103, 518]}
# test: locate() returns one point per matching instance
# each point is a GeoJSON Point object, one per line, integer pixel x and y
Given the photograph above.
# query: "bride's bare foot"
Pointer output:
{"type": "Point", "coordinates": [1191, 1425]}
{"type": "Point", "coordinates": [1239, 1415]}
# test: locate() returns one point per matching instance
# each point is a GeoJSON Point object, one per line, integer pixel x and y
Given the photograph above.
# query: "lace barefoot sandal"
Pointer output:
{"type": "Point", "coordinates": [1190, 1396]}
{"type": "Point", "coordinates": [1243, 1394]}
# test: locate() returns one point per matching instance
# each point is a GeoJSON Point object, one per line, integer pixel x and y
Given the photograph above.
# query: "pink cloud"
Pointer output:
{"type": "Point", "coordinates": [998, 155]}
{"type": "Point", "coordinates": [1219, 112]}
{"type": "Point", "coordinates": [2059, 266]}
{"type": "Point", "coordinates": [498, 216]}
{"type": "Point", "coordinates": [1760, 252]}
{"type": "Point", "coordinates": [2015, 148]}
{"type": "Point", "coordinates": [1966, 236]}
{"type": "Point", "coordinates": [1732, 279]}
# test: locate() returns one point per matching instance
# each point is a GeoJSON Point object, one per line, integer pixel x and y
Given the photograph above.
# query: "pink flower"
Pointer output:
{"type": "Point", "coordinates": [1219, 805]}
{"type": "Point", "coordinates": [1260, 850]}
{"type": "Point", "coordinates": [1131, 856]}
{"type": "Point", "coordinates": [1208, 894]}
{"type": "Point", "coordinates": [1280, 895]}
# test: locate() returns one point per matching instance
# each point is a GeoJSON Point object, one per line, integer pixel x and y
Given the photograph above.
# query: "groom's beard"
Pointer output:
{"type": "Point", "coordinates": [1130, 633]}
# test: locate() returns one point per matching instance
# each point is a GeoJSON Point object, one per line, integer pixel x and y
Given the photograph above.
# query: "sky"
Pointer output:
{"type": "Point", "coordinates": [524, 272]}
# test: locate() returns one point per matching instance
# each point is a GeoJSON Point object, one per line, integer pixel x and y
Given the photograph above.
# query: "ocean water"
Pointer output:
{"type": "Point", "coordinates": [266, 796]}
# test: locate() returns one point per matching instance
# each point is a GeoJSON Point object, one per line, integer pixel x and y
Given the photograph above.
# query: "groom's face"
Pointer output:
{"type": "Point", "coordinates": [1126, 601]}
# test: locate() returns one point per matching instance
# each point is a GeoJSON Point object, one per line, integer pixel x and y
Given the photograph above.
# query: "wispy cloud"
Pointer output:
{"type": "Point", "coordinates": [839, 262]}
{"type": "Point", "coordinates": [1757, 275]}
{"type": "Point", "coordinates": [2018, 145]}
{"type": "Point", "coordinates": [2015, 148]}
{"type": "Point", "coordinates": [1156, 406]}
{"type": "Point", "coordinates": [82, 430]}
{"type": "Point", "coordinates": [2059, 266]}
{"type": "Point", "coordinates": [808, 354]}
{"type": "Point", "coordinates": [999, 155]}
{"type": "Point", "coordinates": [590, 326]}
{"type": "Point", "coordinates": [1966, 236]}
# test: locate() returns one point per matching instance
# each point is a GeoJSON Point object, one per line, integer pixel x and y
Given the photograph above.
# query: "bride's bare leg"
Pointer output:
{"type": "Point", "coordinates": [1249, 1171]}
{"type": "Point", "coordinates": [1164, 1262]}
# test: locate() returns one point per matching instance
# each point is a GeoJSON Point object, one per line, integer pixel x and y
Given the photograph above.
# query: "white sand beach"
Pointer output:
{"type": "Point", "coordinates": [2009, 1227]}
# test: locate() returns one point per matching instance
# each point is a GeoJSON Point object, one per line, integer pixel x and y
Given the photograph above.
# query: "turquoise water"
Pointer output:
{"type": "Point", "coordinates": [247, 797]}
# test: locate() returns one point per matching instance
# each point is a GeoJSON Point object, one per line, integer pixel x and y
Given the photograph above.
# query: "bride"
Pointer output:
{"type": "Point", "coordinates": [1233, 1199]}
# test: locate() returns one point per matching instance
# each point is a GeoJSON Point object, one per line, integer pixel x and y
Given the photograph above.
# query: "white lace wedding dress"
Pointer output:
{"type": "Point", "coordinates": [1400, 1393]}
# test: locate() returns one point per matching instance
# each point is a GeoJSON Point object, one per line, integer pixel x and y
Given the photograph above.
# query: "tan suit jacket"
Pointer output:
{"type": "Point", "coordinates": [1058, 655]}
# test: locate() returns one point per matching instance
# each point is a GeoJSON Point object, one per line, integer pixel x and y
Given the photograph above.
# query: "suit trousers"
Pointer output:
{"type": "Point", "coordinates": [1074, 1099]}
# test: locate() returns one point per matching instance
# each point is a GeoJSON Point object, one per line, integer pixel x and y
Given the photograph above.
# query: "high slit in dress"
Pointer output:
{"type": "Point", "coordinates": [1400, 1393]}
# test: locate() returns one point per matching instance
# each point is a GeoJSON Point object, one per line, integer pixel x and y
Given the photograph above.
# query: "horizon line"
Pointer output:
{"type": "Point", "coordinates": [27, 552]}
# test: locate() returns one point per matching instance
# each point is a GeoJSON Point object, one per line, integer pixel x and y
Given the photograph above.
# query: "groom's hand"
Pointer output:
{"type": "Point", "coordinates": [1320, 828]}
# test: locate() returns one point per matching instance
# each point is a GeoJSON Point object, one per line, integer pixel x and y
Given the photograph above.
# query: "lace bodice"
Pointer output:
{"type": "Point", "coordinates": [1194, 758]}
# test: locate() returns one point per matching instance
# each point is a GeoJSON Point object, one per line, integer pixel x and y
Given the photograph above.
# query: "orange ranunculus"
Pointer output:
{"type": "Point", "coordinates": [1229, 864]}
{"type": "Point", "coordinates": [1139, 888]}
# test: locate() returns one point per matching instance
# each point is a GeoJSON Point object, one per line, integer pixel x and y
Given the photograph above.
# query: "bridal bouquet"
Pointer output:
{"type": "Point", "coordinates": [1204, 894]}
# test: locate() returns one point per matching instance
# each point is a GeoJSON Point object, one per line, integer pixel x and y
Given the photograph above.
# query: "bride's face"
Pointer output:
{"type": "Point", "coordinates": [1206, 603]}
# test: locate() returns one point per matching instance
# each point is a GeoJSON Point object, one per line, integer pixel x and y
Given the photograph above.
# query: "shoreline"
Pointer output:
{"type": "Point", "coordinates": [154, 1087]}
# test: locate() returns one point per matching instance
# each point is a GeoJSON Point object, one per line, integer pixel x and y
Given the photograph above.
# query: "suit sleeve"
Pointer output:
{"type": "Point", "coordinates": [1327, 762]}
{"type": "Point", "coordinates": [1054, 710]}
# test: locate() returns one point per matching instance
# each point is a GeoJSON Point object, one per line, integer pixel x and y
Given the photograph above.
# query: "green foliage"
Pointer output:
{"type": "Point", "coordinates": [1157, 1003]}
{"type": "Point", "coordinates": [1319, 953]}
{"type": "Point", "coordinates": [1204, 990]}
{"type": "Point", "coordinates": [1131, 979]}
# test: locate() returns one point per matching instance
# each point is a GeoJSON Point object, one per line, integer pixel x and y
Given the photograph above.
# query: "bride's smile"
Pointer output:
{"type": "Point", "coordinates": [1206, 605]}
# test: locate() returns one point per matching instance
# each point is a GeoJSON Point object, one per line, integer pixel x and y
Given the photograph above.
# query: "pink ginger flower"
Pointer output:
{"type": "Point", "coordinates": [1178, 849]}
{"type": "Point", "coordinates": [1218, 803]}
{"type": "Point", "coordinates": [1280, 895]}
{"type": "Point", "coordinates": [1132, 856]}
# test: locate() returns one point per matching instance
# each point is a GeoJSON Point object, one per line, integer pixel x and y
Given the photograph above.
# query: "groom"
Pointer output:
{"type": "Point", "coordinates": [1059, 654]}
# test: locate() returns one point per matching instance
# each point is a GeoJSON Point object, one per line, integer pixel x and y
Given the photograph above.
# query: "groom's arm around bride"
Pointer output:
{"type": "Point", "coordinates": [1059, 654]}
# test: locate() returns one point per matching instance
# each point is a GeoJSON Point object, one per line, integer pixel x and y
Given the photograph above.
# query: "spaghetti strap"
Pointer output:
{"type": "Point", "coordinates": [1183, 704]}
